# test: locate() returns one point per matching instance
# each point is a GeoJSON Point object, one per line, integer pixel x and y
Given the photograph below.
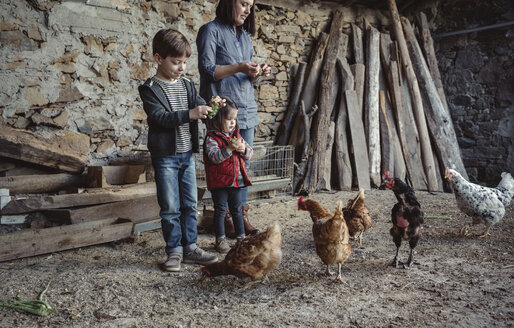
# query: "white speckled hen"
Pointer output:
{"type": "Point", "coordinates": [485, 205]}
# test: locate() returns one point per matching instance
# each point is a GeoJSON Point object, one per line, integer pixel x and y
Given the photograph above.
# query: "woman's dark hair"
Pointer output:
{"type": "Point", "coordinates": [226, 12]}
{"type": "Point", "coordinates": [169, 42]}
{"type": "Point", "coordinates": [216, 122]}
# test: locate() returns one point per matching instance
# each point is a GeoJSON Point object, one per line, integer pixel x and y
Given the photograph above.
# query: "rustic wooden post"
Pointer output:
{"type": "Point", "coordinates": [327, 163]}
{"type": "Point", "coordinates": [371, 111]}
{"type": "Point", "coordinates": [301, 170]}
{"type": "Point", "coordinates": [359, 75]}
{"type": "Point", "coordinates": [342, 153]}
{"type": "Point", "coordinates": [428, 49]}
{"type": "Point", "coordinates": [309, 89]}
{"type": "Point", "coordinates": [284, 131]}
{"type": "Point", "coordinates": [426, 149]}
{"type": "Point", "coordinates": [438, 118]}
{"type": "Point", "coordinates": [321, 120]}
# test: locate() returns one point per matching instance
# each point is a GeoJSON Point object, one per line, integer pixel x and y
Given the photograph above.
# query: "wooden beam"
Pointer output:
{"type": "Point", "coordinates": [26, 243]}
{"type": "Point", "coordinates": [371, 104]}
{"type": "Point", "coordinates": [32, 148]}
{"type": "Point", "coordinates": [36, 203]}
{"type": "Point", "coordinates": [320, 122]}
{"type": "Point", "coordinates": [136, 210]}
{"type": "Point", "coordinates": [421, 124]}
{"type": "Point", "coordinates": [105, 176]}
{"type": "Point", "coordinates": [439, 120]}
{"type": "Point", "coordinates": [35, 184]}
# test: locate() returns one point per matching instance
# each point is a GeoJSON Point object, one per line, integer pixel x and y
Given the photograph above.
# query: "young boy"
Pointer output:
{"type": "Point", "coordinates": [173, 108]}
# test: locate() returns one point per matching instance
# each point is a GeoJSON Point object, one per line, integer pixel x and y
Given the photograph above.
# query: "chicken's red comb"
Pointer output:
{"type": "Point", "coordinates": [386, 174]}
{"type": "Point", "coordinates": [300, 201]}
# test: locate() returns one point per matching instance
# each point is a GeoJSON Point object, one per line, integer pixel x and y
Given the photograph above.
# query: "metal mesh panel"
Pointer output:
{"type": "Point", "coordinates": [270, 170]}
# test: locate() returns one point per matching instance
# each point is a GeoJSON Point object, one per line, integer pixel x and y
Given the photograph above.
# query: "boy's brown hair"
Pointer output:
{"type": "Point", "coordinates": [169, 42]}
{"type": "Point", "coordinates": [216, 122]}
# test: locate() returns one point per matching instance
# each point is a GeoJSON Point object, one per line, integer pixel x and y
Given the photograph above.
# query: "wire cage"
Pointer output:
{"type": "Point", "coordinates": [270, 170]}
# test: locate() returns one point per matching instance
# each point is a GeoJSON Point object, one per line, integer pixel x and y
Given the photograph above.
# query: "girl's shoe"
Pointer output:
{"type": "Point", "coordinates": [221, 245]}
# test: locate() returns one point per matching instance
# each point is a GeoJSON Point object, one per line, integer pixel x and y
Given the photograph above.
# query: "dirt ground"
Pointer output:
{"type": "Point", "coordinates": [454, 282]}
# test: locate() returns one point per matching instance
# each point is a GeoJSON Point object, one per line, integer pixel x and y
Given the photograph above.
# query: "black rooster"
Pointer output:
{"type": "Point", "coordinates": [406, 215]}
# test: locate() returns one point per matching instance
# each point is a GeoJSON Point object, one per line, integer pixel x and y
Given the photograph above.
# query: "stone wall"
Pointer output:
{"type": "Point", "coordinates": [478, 77]}
{"type": "Point", "coordinates": [76, 65]}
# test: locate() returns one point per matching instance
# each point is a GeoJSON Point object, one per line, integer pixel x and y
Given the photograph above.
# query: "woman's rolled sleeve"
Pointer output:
{"type": "Point", "coordinates": [206, 45]}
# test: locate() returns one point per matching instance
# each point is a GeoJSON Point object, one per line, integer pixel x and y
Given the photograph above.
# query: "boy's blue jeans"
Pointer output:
{"type": "Point", "coordinates": [220, 198]}
{"type": "Point", "coordinates": [175, 178]}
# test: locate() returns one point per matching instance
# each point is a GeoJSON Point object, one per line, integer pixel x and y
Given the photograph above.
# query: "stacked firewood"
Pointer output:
{"type": "Point", "coordinates": [65, 208]}
{"type": "Point", "coordinates": [368, 103]}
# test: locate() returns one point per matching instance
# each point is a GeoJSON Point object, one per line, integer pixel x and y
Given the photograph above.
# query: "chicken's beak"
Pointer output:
{"type": "Point", "coordinates": [447, 174]}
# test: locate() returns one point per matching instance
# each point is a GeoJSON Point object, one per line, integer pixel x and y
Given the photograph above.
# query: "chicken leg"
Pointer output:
{"type": "Point", "coordinates": [395, 260]}
{"type": "Point", "coordinates": [328, 272]}
{"type": "Point", "coordinates": [338, 278]}
{"type": "Point", "coordinates": [486, 232]}
{"type": "Point", "coordinates": [464, 231]}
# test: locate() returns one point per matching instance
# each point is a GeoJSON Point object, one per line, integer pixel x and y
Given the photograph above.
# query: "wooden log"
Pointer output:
{"type": "Point", "coordinates": [358, 49]}
{"type": "Point", "coordinates": [439, 120]}
{"type": "Point", "coordinates": [105, 176]}
{"type": "Point", "coordinates": [285, 129]}
{"type": "Point", "coordinates": [302, 167]}
{"type": "Point", "coordinates": [320, 121]}
{"type": "Point", "coordinates": [371, 110]}
{"type": "Point", "coordinates": [428, 49]}
{"type": "Point", "coordinates": [309, 92]}
{"type": "Point", "coordinates": [32, 148]}
{"type": "Point", "coordinates": [358, 140]}
{"type": "Point", "coordinates": [35, 184]}
{"type": "Point", "coordinates": [101, 196]}
{"type": "Point", "coordinates": [386, 136]}
{"type": "Point", "coordinates": [6, 166]}
{"type": "Point", "coordinates": [136, 210]}
{"type": "Point", "coordinates": [359, 75]}
{"type": "Point", "coordinates": [407, 131]}
{"type": "Point", "coordinates": [426, 149]}
{"type": "Point", "coordinates": [342, 152]}
{"type": "Point", "coordinates": [33, 242]}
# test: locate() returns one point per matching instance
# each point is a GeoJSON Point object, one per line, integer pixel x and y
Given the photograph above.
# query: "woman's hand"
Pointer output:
{"type": "Point", "coordinates": [250, 69]}
{"type": "Point", "coordinates": [199, 112]}
{"type": "Point", "coordinates": [266, 70]}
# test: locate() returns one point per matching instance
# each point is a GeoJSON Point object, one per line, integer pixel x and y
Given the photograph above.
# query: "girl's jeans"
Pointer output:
{"type": "Point", "coordinates": [221, 197]}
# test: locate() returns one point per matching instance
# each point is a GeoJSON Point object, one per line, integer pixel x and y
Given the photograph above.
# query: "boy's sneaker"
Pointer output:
{"type": "Point", "coordinates": [221, 245]}
{"type": "Point", "coordinates": [199, 256]}
{"type": "Point", "coordinates": [173, 262]}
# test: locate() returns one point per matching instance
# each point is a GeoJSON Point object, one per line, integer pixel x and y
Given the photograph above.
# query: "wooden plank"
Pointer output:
{"type": "Point", "coordinates": [147, 226]}
{"type": "Point", "coordinates": [32, 148]}
{"type": "Point", "coordinates": [26, 243]}
{"type": "Point", "coordinates": [293, 108]}
{"type": "Point", "coordinates": [327, 171]}
{"type": "Point", "coordinates": [358, 141]}
{"type": "Point", "coordinates": [359, 75]}
{"type": "Point", "coordinates": [371, 110]}
{"type": "Point", "coordinates": [320, 122]}
{"type": "Point", "coordinates": [105, 176]}
{"type": "Point", "coordinates": [429, 51]}
{"type": "Point", "coordinates": [35, 184]}
{"type": "Point", "coordinates": [137, 210]}
{"type": "Point", "coordinates": [309, 92]}
{"type": "Point", "coordinates": [342, 151]}
{"type": "Point", "coordinates": [5, 166]}
{"type": "Point", "coordinates": [439, 120]}
{"type": "Point", "coordinates": [426, 149]}
{"type": "Point", "coordinates": [357, 45]}
{"type": "Point", "coordinates": [32, 204]}
{"type": "Point", "coordinates": [407, 132]}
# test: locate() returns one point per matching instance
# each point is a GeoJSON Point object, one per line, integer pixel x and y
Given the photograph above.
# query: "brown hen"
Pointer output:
{"type": "Point", "coordinates": [254, 257]}
{"type": "Point", "coordinates": [330, 232]}
{"type": "Point", "coordinates": [356, 215]}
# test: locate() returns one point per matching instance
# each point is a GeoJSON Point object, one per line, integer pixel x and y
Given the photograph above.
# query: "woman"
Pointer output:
{"type": "Point", "coordinates": [225, 62]}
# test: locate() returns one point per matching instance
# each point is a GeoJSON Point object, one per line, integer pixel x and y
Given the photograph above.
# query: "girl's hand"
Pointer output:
{"type": "Point", "coordinates": [199, 112]}
{"type": "Point", "coordinates": [239, 145]}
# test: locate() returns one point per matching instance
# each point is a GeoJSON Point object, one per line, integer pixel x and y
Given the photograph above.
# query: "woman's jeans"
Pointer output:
{"type": "Point", "coordinates": [248, 136]}
{"type": "Point", "coordinates": [220, 198]}
{"type": "Point", "coordinates": [175, 178]}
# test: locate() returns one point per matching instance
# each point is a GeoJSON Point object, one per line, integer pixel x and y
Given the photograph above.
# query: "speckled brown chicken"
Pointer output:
{"type": "Point", "coordinates": [254, 257]}
{"type": "Point", "coordinates": [357, 217]}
